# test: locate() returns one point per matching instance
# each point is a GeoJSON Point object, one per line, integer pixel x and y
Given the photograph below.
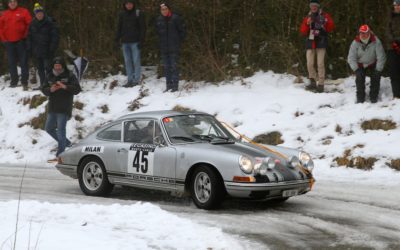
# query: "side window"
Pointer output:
{"type": "Point", "coordinates": [112, 133]}
{"type": "Point", "coordinates": [139, 131]}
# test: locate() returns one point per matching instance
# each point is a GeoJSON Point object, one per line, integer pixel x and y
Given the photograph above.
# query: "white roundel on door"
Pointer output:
{"type": "Point", "coordinates": [141, 159]}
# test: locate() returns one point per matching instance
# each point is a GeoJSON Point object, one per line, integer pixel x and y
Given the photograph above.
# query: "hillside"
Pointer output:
{"type": "Point", "coordinates": [328, 125]}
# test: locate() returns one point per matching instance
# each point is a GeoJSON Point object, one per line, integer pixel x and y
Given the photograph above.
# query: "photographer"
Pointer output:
{"type": "Point", "coordinates": [315, 27]}
{"type": "Point", "coordinates": [61, 86]}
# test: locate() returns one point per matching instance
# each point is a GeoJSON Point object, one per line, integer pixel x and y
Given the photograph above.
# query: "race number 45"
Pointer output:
{"type": "Point", "coordinates": [140, 162]}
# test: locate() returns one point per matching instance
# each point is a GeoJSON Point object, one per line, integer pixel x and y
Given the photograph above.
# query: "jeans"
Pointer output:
{"type": "Point", "coordinates": [375, 84]}
{"type": "Point", "coordinates": [170, 63]}
{"type": "Point", "coordinates": [43, 66]}
{"type": "Point", "coordinates": [133, 66]}
{"type": "Point", "coordinates": [56, 124]}
{"type": "Point", "coordinates": [17, 50]}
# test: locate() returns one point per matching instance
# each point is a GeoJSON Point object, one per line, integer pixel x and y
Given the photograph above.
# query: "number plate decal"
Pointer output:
{"type": "Point", "coordinates": [141, 159]}
{"type": "Point", "coordinates": [290, 193]}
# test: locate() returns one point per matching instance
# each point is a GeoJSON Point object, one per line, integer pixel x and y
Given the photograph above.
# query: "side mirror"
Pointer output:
{"type": "Point", "coordinates": [159, 141]}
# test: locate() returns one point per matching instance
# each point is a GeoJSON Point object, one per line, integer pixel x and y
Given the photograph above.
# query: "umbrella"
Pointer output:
{"type": "Point", "coordinates": [80, 64]}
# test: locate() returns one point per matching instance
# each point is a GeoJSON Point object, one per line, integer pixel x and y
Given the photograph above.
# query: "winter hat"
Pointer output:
{"type": "Point", "coordinates": [396, 2]}
{"type": "Point", "coordinates": [165, 5]}
{"type": "Point", "coordinates": [364, 29]}
{"type": "Point", "coordinates": [59, 60]}
{"type": "Point", "coordinates": [37, 8]}
{"type": "Point", "coordinates": [130, 1]}
{"type": "Point", "coordinates": [315, 2]}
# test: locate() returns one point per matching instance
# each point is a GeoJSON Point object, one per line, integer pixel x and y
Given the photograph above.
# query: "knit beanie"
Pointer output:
{"type": "Point", "coordinates": [315, 2]}
{"type": "Point", "coordinates": [396, 2]}
{"type": "Point", "coordinates": [37, 8]}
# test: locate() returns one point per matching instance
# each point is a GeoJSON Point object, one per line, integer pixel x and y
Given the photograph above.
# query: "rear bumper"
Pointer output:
{"type": "Point", "coordinates": [68, 170]}
{"type": "Point", "coordinates": [266, 190]}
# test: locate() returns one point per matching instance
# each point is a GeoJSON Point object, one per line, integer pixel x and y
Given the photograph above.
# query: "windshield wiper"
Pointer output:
{"type": "Point", "coordinates": [182, 138]}
{"type": "Point", "coordinates": [203, 137]}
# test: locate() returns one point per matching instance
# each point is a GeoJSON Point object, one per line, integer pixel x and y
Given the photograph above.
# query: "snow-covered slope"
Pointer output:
{"type": "Point", "coordinates": [324, 125]}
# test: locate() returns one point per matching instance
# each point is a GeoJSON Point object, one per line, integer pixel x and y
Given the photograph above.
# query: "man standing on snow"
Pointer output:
{"type": "Point", "coordinates": [61, 85]}
{"type": "Point", "coordinates": [316, 27]}
{"type": "Point", "coordinates": [393, 40]}
{"type": "Point", "coordinates": [43, 41]}
{"type": "Point", "coordinates": [14, 25]}
{"type": "Point", "coordinates": [131, 32]}
{"type": "Point", "coordinates": [367, 55]}
{"type": "Point", "coordinates": [171, 31]}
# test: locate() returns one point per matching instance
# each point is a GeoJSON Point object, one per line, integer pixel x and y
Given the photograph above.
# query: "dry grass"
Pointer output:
{"type": "Point", "coordinates": [377, 124]}
{"type": "Point", "coordinates": [113, 84]}
{"type": "Point", "coordinates": [79, 118]}
{"type": "Point", "coordinates": [180, 108]}
{"type": "Point", "coordinates": [355, 162]}
{"type": "Point", "coordinates": [395, 164]}
{"type": "Point", "coordinates": [273, 138]}
{"type": "Point", "coordinates": [78, 105]}
{"type": "Point", "coordinates": [33, 102]}
{"type": "Point", "coordinates": [104, 109]}
{"type": "Point", "coordinates": [338, 129]}
{"type": "Point", "coordinates": [39, 121]}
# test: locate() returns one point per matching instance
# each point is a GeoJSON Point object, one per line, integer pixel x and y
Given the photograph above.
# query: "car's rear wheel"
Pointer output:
{"type": "Point", "coordinates": [93, 179]}
{"type": "Point", "coordinates": [206, 188]}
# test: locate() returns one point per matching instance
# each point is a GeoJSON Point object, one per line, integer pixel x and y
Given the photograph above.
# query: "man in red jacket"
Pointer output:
{"type": "Point", "coordinates": [315, 27]}
{"type": "Point", "coordinates": [14, 26]}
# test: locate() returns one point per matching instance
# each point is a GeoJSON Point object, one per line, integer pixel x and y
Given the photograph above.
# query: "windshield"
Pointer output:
{"type": "Point", "coordinates": [196, 128]}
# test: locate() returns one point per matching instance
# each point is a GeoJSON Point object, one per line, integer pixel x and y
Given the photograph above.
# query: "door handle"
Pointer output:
{"type": "Point", "coordinates": [122, 150]}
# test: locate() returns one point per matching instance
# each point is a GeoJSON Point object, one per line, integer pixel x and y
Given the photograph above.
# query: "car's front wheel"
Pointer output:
{"type": "Point", "coordinates": [93, 179]}
{"type": "Point", "coordinates": [206, 188]}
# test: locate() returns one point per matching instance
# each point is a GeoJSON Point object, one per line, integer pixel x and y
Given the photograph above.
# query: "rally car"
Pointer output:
{"type": "Point", "coordinates": [185, 153]}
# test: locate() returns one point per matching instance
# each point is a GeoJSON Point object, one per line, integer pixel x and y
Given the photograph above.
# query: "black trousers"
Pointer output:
{"type": "Point", "coordinates": [394, 72]}
{"type": "Point", "coordinates": [16, 51]}
{"type": "Point", "coordinates": [43, 65]}
{"type": "Point", "coordinates": [375, 83]}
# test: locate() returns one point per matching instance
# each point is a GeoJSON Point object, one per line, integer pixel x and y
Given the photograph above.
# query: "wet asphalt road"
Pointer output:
{"type": "Point", "coordinates": [335, 215]}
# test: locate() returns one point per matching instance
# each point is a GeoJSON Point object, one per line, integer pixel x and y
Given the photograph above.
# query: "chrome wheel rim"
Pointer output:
{"type": "Point", "coordinates": [92, 176]}
{"type": "Point", "coordinates": [202, 187]}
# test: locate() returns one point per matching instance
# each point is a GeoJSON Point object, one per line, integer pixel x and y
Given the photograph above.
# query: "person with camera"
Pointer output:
{"type": "Point", "coordinates": [315, 27]}
{"type": "Point", "coordinates": [367, 55]}
{"type": "Point", "coordinates": [61, 85]}
{"type": "Point", "coordinates": [393, 45]}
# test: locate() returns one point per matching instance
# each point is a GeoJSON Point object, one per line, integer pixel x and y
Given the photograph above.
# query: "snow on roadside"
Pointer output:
{"type": "Point", "coordinates": [137, 226]}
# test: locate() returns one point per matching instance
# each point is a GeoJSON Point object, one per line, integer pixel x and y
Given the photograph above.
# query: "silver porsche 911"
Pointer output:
{"type": "Point", "coordinates": [185, 153]}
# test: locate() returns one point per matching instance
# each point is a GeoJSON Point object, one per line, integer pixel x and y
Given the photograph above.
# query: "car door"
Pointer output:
{"type": "Point", "coordinates": [144, 162]}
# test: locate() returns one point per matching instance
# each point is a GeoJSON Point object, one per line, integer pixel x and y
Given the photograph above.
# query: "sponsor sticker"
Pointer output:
{"type": "Point", "coordinates": [93, 149]}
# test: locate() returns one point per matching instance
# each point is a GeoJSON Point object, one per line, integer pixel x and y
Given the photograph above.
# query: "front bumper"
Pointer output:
{"type": "Point", "coordinates": [267, 190]}
{"type": "Point", "coordinates": [68, 170]}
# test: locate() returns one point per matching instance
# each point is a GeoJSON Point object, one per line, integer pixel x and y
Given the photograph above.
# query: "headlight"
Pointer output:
{"type": "Point", "coordinates": [246, 164]}
{"type": "Point", "coordinates": [306, 161]}
{"type": "Point", "coordinates": [294, 162]}
{"type": "Point", "coordinates": [270, 163]}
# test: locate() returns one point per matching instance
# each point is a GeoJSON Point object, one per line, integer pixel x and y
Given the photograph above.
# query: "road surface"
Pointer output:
{"type": "Point", "coordinates": [335, 215]}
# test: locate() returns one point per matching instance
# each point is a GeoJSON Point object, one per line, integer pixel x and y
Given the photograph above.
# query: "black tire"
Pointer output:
{"type": "Point", "coordinates": [93, 178]}
{"type": "Point", "coordinates": [206, 188]}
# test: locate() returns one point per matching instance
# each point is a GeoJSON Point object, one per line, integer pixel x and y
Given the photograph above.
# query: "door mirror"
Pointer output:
{"type": "Point", "coordinates": [159, 141]}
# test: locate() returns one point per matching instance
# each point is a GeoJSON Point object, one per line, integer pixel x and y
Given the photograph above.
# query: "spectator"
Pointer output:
{"type": "Point", "coordinates": [14, 24]}
{"type": "Point", "coordinates": [393, 40]}
{"type": "Point", "coordinates": [131, 32]}
{"type": "Point", "coordinates": [367, 55]}
{"type": "Point", "coordinates": [171, 31]}
{"type": "Point", "coordinates": [316, 27]}
{"type": "Point", "coordinates": [43, 41]}
{"type": "Point", "coordinates": [61, 85]}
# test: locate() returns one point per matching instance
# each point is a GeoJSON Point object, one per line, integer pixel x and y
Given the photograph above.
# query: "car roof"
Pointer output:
{"type": "Point", "coordinates": [159, 114]}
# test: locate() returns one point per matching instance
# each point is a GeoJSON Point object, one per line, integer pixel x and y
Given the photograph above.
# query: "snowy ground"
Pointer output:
{"type": "Point", "coordinates": [263, 103]}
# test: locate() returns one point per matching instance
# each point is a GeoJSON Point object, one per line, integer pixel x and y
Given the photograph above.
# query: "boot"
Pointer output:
{"type": "Point", "coordinates": [320, 88]}
{"type": "Point", "coordinates": [312, 85]}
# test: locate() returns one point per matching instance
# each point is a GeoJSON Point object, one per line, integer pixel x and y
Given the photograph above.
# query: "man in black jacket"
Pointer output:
{"type": "Point", "coordinates": [61, 85]}
{"type": "Point", "coordinates": [43, 39]}
{"type": "Point", "coordinates": [171, 31]}
{"type": "Point", "coordinates": [131, 32]}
